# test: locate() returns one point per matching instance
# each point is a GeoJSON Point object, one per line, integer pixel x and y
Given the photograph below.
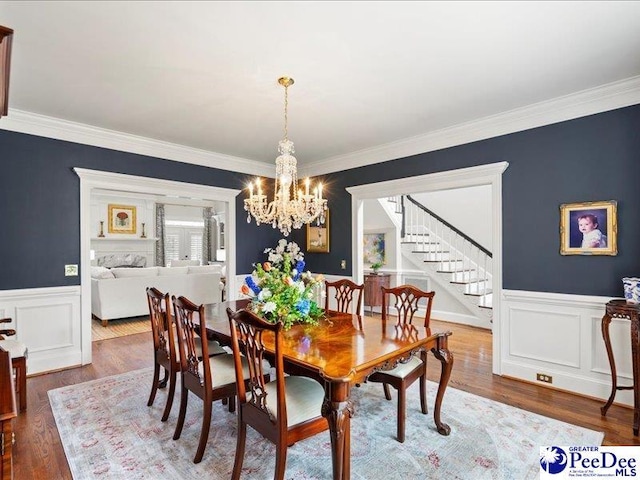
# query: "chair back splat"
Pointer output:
{"type": "Point", "coordinates": [262, 404]}
{"type": "Point", "coordinates": [343, 292]}
{"type": "Point", "coordinates": [407, 299]}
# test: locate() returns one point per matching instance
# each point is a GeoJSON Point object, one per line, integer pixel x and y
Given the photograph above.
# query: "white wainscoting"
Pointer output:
{"type": "Point", "coordinates": [47, 320]}
{"type": "Point", "coordinates": [560, 335]}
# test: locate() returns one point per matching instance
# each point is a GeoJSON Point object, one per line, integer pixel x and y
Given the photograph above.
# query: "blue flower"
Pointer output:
{"type": "Point", "coordinates": [299, 268]}
{"type": "Point", "coordinates": [252, 285]}
{"type": "Point", "coordinates": [303, 306]}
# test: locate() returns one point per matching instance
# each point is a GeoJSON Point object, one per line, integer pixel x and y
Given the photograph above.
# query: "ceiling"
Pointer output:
{"type": "Point", "coordinates": [369, 76]}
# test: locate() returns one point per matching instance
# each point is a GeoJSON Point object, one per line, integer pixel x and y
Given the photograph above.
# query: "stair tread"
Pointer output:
{"type": "Point", "coordinates": [428, 251]}
{"type": "Point", "coordinates": [488, 291]}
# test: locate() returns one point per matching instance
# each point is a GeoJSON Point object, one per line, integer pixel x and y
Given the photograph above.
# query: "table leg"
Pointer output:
{"type": "Point", "coordinates": [636, 373]}
{"type": "Point", "coordinates": [442, 353]}
{"type": "Point", "coordinates": [338, 409]}
{"type": "Point", "coordinates": [606, 320]}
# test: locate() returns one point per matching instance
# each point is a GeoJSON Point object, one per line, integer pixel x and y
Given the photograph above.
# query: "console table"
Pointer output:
{"type": "Point", "coordinates": [619, 308]}
{"type": "Point", "coordinates": [372, 292]}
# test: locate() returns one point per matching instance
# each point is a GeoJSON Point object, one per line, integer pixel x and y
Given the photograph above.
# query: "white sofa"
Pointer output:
{"type": "Point", "coordinates": [121, 292]}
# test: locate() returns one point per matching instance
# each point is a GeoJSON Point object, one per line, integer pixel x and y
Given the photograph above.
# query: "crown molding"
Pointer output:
{"type": "Point", "coordinates": [580, 104]}
{"type": "Point", "coordinates": [587, 102]}
{"type": "Point", "coordinates": [44, 126]}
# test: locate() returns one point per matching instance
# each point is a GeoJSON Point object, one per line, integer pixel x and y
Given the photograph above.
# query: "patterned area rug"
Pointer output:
{"type": "Point", "coordinates": [108, 432]}
{"type": "Point", "coordinates": [119, 328]}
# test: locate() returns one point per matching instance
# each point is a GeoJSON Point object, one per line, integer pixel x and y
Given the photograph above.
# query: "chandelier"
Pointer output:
{"type": "Point", "coordinates": [290, 207]}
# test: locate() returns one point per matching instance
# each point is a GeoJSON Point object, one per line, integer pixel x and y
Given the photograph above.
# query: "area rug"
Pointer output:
{"type": "Point", "coordinates": [119, 328]}
{"type": "Point", "coordinates": [108, 432]}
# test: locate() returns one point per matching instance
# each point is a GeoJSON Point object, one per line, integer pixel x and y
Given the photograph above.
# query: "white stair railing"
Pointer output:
{"type": "Point", "coordinates": [442, 243]}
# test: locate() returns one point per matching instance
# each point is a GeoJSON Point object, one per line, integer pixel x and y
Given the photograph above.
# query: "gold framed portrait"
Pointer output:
{"type": "Point", "coordinates": [122, 219]}
{"type": "Point", "coordinates": [318, 236]}
{"type": "Point", "coordinates": [589, 228]}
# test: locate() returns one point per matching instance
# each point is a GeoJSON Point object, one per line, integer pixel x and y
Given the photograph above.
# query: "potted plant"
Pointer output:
{"type": "Point", "coordinates": [375, 267]}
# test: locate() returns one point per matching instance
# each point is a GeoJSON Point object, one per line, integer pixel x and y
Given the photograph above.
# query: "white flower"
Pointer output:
{"type": "Point", "coordinates": [275, 258]}
{"type": "Point", "coordinates": [300, 286]}
{"type": "Point", "coordinates": [264, 294]}
{"type": "Point", "coordinates": [269, 307]}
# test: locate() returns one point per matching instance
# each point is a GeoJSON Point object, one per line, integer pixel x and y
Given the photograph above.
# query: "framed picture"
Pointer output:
{"type": "Point", "coordinates": [318, 236]}
{"type": "Point", "coordinates": [589, 228]}
{"type": "Point", "coordinates": [122, 219]}
{"type": "Point", "coordinates": [373, 248]}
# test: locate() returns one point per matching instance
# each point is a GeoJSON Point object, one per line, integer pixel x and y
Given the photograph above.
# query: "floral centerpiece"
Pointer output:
{"type": "Point", "coordinates": [281, 290]}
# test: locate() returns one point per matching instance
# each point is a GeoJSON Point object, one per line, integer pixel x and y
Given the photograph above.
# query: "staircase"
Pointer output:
{"type": "Point", "coordinates": [449, 257]}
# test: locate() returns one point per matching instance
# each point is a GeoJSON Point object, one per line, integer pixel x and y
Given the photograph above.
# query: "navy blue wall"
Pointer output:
{"type": "Point", "coordinates": [588, 159]}
{"type": "Point", "coordinates": [40, 204]}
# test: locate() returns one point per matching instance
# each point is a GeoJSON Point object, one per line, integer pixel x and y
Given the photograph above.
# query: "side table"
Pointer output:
{"type": "Point", "coordinates": [372, 292]}
{"type": "Point", "coordinates": [619, 308]}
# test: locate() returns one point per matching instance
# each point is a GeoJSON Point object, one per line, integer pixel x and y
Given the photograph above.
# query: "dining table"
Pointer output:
{"type": "Point", "coordinates": [341, 351]}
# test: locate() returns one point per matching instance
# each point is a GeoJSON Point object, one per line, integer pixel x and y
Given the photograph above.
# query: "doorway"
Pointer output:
{"type": "Point", "coordinates": [490, 174]}
{"type": "Point", "coordinates": [91, 180]}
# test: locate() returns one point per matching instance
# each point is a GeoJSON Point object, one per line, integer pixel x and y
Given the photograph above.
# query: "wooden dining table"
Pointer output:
{"type": "Point", "coordinates": [340, 352]}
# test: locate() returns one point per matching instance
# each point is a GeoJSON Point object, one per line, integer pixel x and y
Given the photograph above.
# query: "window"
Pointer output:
{"type": "Point", "coordinates": [183, 240]}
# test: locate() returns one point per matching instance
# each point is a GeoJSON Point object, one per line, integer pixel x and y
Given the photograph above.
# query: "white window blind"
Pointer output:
{"type": "Point", "coordinates": [196, 246]}
{"type": "Point", "coordinates": [172, 247]}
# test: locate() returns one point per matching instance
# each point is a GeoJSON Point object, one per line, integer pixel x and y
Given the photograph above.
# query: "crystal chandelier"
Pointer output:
{"type": "Point", "coordinates": [290, 208]}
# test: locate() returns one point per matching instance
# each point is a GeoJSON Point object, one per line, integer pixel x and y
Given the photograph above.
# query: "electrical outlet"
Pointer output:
{"type": "Point", "coordinates": [541, 377]}
{"type": "Point", "coordinates": [343, 264]}
{"type": "Point", "coordinates": [71, 270]}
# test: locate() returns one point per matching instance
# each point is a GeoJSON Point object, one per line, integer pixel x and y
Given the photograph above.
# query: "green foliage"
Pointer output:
{"type": "Point", "coordinates": [280, 290]}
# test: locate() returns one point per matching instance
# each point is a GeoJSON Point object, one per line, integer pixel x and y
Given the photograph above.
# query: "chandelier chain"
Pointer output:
{"type": "Point", "coordinates": [286, 112]}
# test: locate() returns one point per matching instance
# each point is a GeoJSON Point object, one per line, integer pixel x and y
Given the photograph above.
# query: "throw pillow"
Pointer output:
{"type": "Point", "coordinates": [101, 273]}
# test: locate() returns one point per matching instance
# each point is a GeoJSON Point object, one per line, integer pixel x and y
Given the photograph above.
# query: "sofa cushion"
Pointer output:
{"type": "Point", "coordinates": [164, 271]}
{"type": "Point", "coordinates": [205, 269]}
{"type": "Point", "coordinates": [135, 272]}
{"type": "Point", "coordinates": [101, 272]}
{"type": "Point", "coordinates": [184, 263]}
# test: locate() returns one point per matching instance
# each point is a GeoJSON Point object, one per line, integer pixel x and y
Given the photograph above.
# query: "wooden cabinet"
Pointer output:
{"type": "Point", "coordinates": [372, 292]}
{"type": "Point", "coordinates": [7, 414]}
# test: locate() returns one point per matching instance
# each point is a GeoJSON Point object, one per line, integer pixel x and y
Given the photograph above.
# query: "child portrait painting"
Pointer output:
{"type": "Point", "coordinates": [588, 228]}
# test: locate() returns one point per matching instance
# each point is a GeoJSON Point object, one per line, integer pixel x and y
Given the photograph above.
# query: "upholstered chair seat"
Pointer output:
{"type": "Point", "coordinates": [14, 347]}
{"type": "Point", "coordinates": [304, 397]}
{"type": "Point", "coordinates": [404, 369]}
{"type": "Point", "coordinates": [224, 368]}
{"type": "Point", "coordinates": [214, 347]}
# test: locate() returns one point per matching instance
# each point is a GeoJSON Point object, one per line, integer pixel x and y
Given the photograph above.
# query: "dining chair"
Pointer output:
{"type": "Point", "coordinates": [406, 300]}
{"type": "Point", "coordinates": [285, 410]}
{"type": "Point", "coordinates": [343, 292]}
{"type": "Point", "coordinates": [165, 349]}
{"type": "Point", "coordinates": [210, 380]}
{"type": "Point", "coordinates": [18, 354]}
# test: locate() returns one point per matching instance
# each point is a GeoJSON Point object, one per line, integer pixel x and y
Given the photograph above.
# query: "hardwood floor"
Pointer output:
{"type": "Point", "coordinates": [39, 453]}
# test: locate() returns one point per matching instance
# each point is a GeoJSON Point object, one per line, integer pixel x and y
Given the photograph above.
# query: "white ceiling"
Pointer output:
{"type": "Point", "coordinates": [369, 75]}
